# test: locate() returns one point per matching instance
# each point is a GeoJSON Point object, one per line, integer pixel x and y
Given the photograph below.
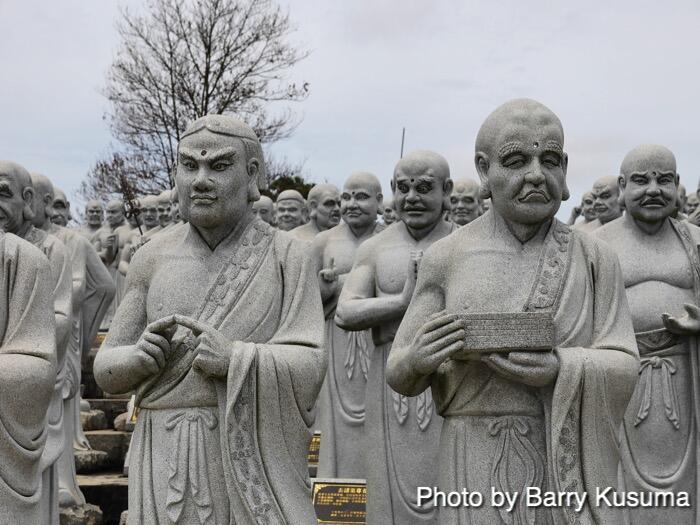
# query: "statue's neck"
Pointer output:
{"type": "Point", "coordinates": [523, 232]}
{"type": "Point", "coordinates": [24, 229]}
{"type": "Point", "coordinates": [649, 228]}
{"type": "Point", "coordinates": [362, 231]}
{"type": "Point", "coordinates": [215, 236]}
{"type": "Point", "coordinates": [421, 233]}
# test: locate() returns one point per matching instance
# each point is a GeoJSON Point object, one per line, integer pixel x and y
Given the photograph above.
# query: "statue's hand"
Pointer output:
{"type": "Point", "coordinates": [212, 347]}
{"type": "Point", "coordinates": [687, 324]}
{"type": "Point", "coordinates": [153, 347]}
{"type": "Point", "coordinates": [530, 368]}
{"type": "Point", "coordinates": [412, 274]}
{"type": "Point", "coordinates": [329, 274]}
{"type": "Point", "coordinates": [436, 341]}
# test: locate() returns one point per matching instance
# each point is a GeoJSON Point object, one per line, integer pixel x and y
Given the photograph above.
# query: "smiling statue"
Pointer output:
{"type": "Point", "coordinates": [659, 260]}
{"type": "Point", "coordinates": [220, 333]}
{"type": "Point", "coordinates": [520, 327]}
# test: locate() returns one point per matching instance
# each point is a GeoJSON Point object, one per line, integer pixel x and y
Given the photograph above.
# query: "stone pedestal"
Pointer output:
{"type": "Point", "coordinates": [94, 420]}
{"type": "Point", "coordinates": [81, 515]}
{"type": "Point", "coordinates": [89, 461]}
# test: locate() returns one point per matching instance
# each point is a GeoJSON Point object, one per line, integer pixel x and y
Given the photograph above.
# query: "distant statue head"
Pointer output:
{"type": "Point", "coordinates": [291, 210]}
{"type": "Point", "coordinates": [422, 188]}
{"type": "Point", "coordinates": [174, 206]}
{"type": "Point", "coordinates": [16, 198]}
{"type": "Point", "coordinates": [389, 211]}
{"type": "Point", "coordinates": [43, 199]}
{"type": "Point", "coordinates": [94, 213]}
{"type": "Point", "coordinates": [682, 199]}
{"type": "Point", "coordinates": [606, 197]}
{"type": "Point", "coordinates": [361, 200]}
{"type": "Point", "coordinates": [649, 182]}
{"type": "Point", "coordinates": [114, 213]}
{"type": "Point", "coordinates": [149, 211]}
{"type": "Point", "coordinates": [264, 208]}
{"type": "Point", "coordinates": [220, 172]}
{"type": "Point", "coordinates": [60, 208]}
{"type": "Point", "coordinates": [521, 162]}
{"type": "Point", "coordinates": [587, 206]}
{"type": "Point", "coordinates": [691, 203]}
{"type": "Point", "coordinates": [465, 201]}
{"type": "Point", "coordinates": [164, 217]}
{"type": "Point", "coordinates": [324, 206]}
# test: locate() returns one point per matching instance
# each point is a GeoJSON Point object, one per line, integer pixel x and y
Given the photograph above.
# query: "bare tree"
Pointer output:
{"type": "Point", "coordinates": [183, 59]}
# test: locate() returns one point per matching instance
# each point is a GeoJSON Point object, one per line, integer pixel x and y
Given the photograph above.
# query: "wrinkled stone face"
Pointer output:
{"type": "Point", "coordinates": [290, 214]}
{"type": "Point", "coordinates": [212, 180]}
{"type": "Point", "coordinates": [359, 204]}
{"type": "Point", "coordinates": [606, 205]}
{"type": "Point", "coordinates": [587, 204]}
{"type": "Point", "coordinates": [164, 214]}
{"type": "Point", "coordinates": [389, 215]}
{"type": "Point", "coordinates": [263, 210]}
{"type": "Point", "coordinates": [418, 197]}
{"type": "Point", "coordinates": [465, 205]}
{"type": "Point", "coordinates": [149, 214]}
{"type": "Point", "coordinates": [115, 215]}
{"type": "Point", "coordinates": [94, 214]}
{"type": "Point", "coordinates": [60, 212]}
{"type": "Point", "coordinates": [11, 204]}
{"type": "Point", "coordinates": [175, 211]}
{"type": "Point", "coordinates": [526, 174]}
{"type": "Point", "coordinates": [328, 211]}
{"type": "Point", "coordinates": [691, 203]}
{"type": "Point", "coordinates": [651, 191]}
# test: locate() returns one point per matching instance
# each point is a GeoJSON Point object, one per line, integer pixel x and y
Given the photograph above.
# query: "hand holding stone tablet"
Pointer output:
{"type": "Point", "coordinates": [507, 332]}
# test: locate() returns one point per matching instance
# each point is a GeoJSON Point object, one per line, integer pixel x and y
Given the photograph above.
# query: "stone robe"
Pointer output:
{"type": "Point", "coordinates": [507, 435]}
{"type": "Point", "coordinates": [100, 243]}
{"type": "Point", "coordinates": [230, 451]}
{"type": "Point", "coordinates": [27, 376]}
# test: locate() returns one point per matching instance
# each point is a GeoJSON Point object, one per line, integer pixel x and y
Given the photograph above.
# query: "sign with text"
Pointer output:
{"type": "Point", "coordinates": [340, 501]}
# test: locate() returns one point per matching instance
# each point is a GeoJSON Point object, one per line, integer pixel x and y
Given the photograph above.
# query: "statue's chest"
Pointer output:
{"type": "Point", "coordinates": [663, 260]}
{"type": "Point", "coordinates": [392, 268]}
{"type": "Point", "coordinates": [342, 251]}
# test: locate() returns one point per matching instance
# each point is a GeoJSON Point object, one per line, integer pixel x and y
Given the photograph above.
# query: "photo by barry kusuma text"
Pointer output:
{"type": "Point", "coordinates": [536, 497]}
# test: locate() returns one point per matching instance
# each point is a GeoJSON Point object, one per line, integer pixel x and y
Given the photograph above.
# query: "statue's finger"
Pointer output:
{"type": "Point", "coordinates": [197, 327]}
{"type": "Point", "coordinates": [161, 324]}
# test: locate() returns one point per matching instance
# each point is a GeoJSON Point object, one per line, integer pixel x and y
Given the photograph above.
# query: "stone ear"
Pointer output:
{"type": "Point", "coordinates": [481, 161]}
{"type": "Point", "coordinates": [447, 188]}
{"type": "Point", "coordinates": [28, 197]}
{"type": "Point", "coordinates": [253, 170]}
{"type": "Point", "coordinates": [380, 199]}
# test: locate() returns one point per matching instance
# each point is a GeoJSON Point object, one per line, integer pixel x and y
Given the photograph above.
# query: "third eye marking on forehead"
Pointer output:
{"type": "Point", "coordinates": [212, 155]}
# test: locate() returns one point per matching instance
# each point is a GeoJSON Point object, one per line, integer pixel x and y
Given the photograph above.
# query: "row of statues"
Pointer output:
{"type": "Point", "coordinates": [468, 341]}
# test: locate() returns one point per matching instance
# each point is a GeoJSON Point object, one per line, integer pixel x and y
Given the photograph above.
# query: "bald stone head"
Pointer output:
{"type": "Point", "coordinates": [16, 198]}
{"type": "Point", "coordinates": [324, 206]}
{"type": "Point", "coordinates": [465, 201]}
{"type": "Point", "coordinates": [60, 208]}
{"type": "Point", "coordinates": [521, 162]}
{"type": "Point", "coordinates": [114, 213]}
{"type": "Point", "coordinates": [606, 199]}
{"type": "Point", "coordinates": [94, 213]}
{"type": "Point", "coordinates": [174, 205]}
{"type": "Point", "coordinates": [264, 208]}
{"type": "Point", "coordinates": [149, 211]}
{"type": "Point", "coordinates": [587, 203]}
{"type": "Point", "coordinates": [422, 188]}
{"type": "Point", "coordinates": [649, 182]}
{"type": "Point", "coordinates": [291, 210]}
{"type": "Point", "coordinates": [43, 200]}
{"type": "Point", "coordinates": [389, 211]}
{"type": "Point", "coordinates": [682, 199]}
{"type": "Point", "coordinates": [691, 203]}
{"type": "Point", "coordinates": [164, 217]}
{"type": "Point", "coordinates": [360, 200]}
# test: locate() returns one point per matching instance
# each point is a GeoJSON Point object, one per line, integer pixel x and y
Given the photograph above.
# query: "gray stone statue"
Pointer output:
{"type": "Point", "coordinates": [265, 209]}
{"type": "Point", "coordinates": [342, 399]}
{"type": "Point", "coordinates": [661, 270]}
{"type": "Point", "coordinates": [291, 210]}
{"type": "Point", "coordinates": [164, 211]}
{"type": "Point", "coordinates": [520, 327]}
{"type": "Point", "coordinates": [465, 202]}
{"type": "Point", "coordinates": [94, 218]}
{"type": "Point", "coordinates": [148, 207]}
{"type": "Point", "coordinates": [324, 212]}
{"type": "Point", "coordinates": [109, 241]}
{"type": "Point", "coordinates": [606, 199]}
{"type": "Point", "coordinates": [691, 204]}
{"type": "Point", "coordinates": [401, 433]}
{"type": "Point", "coordinates": [585, 209]}
{"type": "Point", "coordinates": [220, 333]}
{"type": "Point", "coordinates": [389, 211]}
{"type": "Point", "coordinates": [27, 369]}
{"type": "Point", "coordinates": [18, 202]}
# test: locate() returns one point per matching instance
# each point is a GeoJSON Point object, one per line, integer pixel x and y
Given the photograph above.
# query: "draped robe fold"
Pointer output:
{"type": "Point", "coordinates": [27, 376]}
{"type": "Point", "coordinates": [510, 436]}
{"type": "Point", "coordinates": [227, 451]}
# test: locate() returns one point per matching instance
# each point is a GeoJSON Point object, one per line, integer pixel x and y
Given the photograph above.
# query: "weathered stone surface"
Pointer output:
{"type": "Point", "coordinates": [111, 407]}
{"type": "Point", "coordinates": [93, 420]}
{"type": "Point", "coordinates": [114, 443]}
{"type": "Point", "coordinates": [86, 514]}
{"type": "Point", "coordinates": [88, 461]}
{"type": "Point", "coordinates": [123, 423]}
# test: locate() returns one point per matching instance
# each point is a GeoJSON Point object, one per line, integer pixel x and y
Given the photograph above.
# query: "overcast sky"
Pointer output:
{"type": "Point", "coordinates": [617, 73]}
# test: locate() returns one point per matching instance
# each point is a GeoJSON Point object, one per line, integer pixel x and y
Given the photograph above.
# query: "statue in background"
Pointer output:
{"type": "Point", "coordinates": [265, 209]}
{"type": "Point", "coordinates": [291, 210]}
{"type": "Point", "coordinates": [94, 217]}
{"type": "Point", "coordinates": [606, 204]}
{"type": "Point", "coordinates": [324, 212]}
{"type": "Point", "coordinates": [389, 211]}
{"type": "Point", "coordinates": [465, 202]}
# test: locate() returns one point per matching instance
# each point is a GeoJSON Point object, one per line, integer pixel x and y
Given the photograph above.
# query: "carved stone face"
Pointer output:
{"type": "Point", "coordinates": [290, 214]}
{"type": "Point", "coordinates": [164, 217]}
{"type": "Point", "coordinates": [149, 212]}
{"type": "Point", "coordinates": [527, 170]}
{"type": "Point", "coordinates": [94, 214]}
{"type": "Point", "coordinates": [651, 187]}
{"type": "Point", "coordinates": [327, 211]}
{"type": "Point", "coordinates": [60, 211]}
{"type": "Point", "coordinates": [389, 214]}
{"type": "Point", "coordinates": [213, 179]}
{"type": "Point", "coordinates": [691, 203]}
{"type": "Point", "coordinates": [12, 202]}
{"type": "Point", "coordinates": [174, 211]}
{"type": "Point", "coordinates": [465, 203]}
{"type": "Point", "coordinates": [115, 214]}
{"type": "Point", "coordinates": [587, 203]}
{"type": "Point", "coordinates": [359, 202]}
{"type": "Point", "coordinates": [605, 195]}
{"type": "Point", "coordinates": [263, 208]}
{"type": "Point", "coordinates": [418, 195]}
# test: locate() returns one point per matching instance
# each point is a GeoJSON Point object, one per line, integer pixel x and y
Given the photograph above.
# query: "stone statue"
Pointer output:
{"type": "Point", "coordinates": [220, 333]}
{"type": "Point", "coordinates": [110, 241]}
{"type": "Point", "coordinates": [691, 204]}
{"type": "Point", "coordinates": [61, 209]}
{"type": "Point", "coordinates": [485, 205]}
{"type": "Point", "coordinates": [291, 210]}
{"type": "Point", "coordinates": [465, 201]}
{"type": "Point", "coordinates": [264, 208]}
{"type": "Point", "coordinates": [175, 206]}
{"type": "Point", "coordinates": [606, 198]}
{"type": "Point", "coordinates": [389, 212]}
{"type": "Point", "coordinates": [17, 207]}
{"type": "Point", "coordinates": [532, 363]}
{"type": "Point", "coordinates": [324, 212]}
{"type": "Point", "coordinates": [27, 369]}
{"type": "Point", "coordinates": [148, 207]}
{"type": "Point", "coordinates": [94, 217]}
{"type": "Point", "coordinates": [661, 271]}
{"type": "Point", "coordinates": [585, 209]}
{"type": "Point", "coordinates": [164, 211]}
{"type": "Point", "coordinates": [402, 433]}
{"type": "Point", "coordinates": [342, 399]}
